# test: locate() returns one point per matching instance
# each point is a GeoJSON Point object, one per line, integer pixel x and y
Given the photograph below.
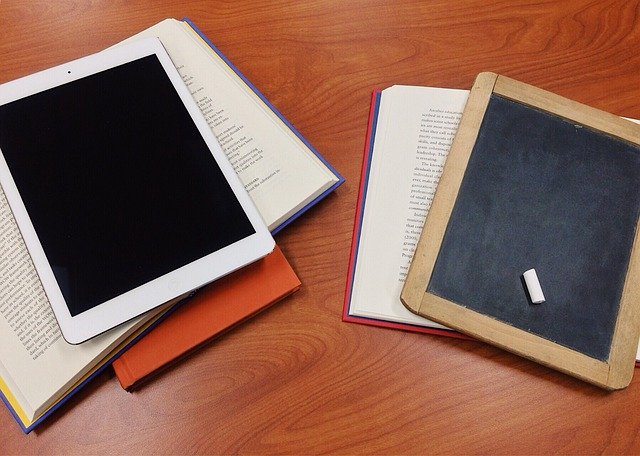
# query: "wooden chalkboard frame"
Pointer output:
{"type": "Point", "coordinates": [614, 373]}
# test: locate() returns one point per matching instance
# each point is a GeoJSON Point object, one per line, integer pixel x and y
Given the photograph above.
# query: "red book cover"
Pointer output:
{"type": "Point", "coordinates": [213, 310]}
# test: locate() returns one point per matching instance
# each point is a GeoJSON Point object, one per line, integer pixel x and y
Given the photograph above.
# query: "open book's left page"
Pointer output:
{"type": "Point", "coordinates": [37, 366]}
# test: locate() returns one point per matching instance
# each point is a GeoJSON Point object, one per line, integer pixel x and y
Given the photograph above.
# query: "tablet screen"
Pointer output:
{"type": "Point", "coordinates": [118, 182]}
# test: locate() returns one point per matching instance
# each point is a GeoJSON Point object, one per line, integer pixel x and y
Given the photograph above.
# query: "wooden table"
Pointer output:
{"type": "Point", "coordinates": [296, 379]}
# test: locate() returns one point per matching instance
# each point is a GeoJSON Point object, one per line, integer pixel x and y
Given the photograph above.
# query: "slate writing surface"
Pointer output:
{"type": "Point", "coordinates": [541, 192]}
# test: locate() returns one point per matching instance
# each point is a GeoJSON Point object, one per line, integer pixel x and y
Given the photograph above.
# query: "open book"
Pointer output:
{"type": "Point", "coordinates": [410, 132]}
{"type": "Point", "coordinates": [282, 173]}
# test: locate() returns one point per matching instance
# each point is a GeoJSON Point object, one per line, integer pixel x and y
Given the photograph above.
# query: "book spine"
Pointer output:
{"type": "Point", "coordinates": [362, 191]}
{"type": "Point", "coordinates": [123, 373]}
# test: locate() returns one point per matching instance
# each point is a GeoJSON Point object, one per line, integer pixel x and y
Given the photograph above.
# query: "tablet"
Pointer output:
{"type": "Point", "coordinates": [122, 194]}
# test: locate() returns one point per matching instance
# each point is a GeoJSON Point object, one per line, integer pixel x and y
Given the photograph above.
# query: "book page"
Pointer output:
{"type": "Point", "coordinates": [280, 174]}
{"type": "Point", "coordinates": [36, 363]}
{"type": "Point", "coordinates": [416, 126]}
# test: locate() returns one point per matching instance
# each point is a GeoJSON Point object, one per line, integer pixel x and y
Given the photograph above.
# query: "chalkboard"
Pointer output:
{"type": "Point", "coordinates": [542, 192]}
{"type": "Point", "coordinates": [534, 180]}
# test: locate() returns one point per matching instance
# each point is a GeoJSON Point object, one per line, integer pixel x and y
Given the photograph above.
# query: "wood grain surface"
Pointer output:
{"type": "Point", "coordinates": [297, 380]}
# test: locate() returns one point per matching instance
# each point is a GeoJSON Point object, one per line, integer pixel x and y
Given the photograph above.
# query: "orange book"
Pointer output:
{"type": "Point", "coordinates": [213, 310]}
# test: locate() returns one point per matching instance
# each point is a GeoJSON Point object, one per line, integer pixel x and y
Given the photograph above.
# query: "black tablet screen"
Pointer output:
{"type": "Point", "coordinates": [117, 180]}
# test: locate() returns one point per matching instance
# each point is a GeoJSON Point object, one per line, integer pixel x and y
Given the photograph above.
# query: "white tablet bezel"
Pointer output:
{"type": "Point", "coordinates": [111, 313]}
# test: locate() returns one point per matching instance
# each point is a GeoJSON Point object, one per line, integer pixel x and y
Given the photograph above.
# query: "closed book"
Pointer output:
{"type": "Point", "coordinates": [213, 310]}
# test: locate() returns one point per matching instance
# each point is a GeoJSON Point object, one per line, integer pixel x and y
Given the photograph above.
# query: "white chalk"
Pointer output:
{"type": "Point", "coordinates": [533, 285]}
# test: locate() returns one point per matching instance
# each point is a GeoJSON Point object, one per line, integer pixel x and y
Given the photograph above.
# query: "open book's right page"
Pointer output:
{"type": "Point", "coordinates": [280, 173]}
{"type": "Point", "coordinates": [413, 132]}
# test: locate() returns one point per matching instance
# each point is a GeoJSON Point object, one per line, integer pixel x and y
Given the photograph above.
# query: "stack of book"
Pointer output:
{"type": "Point", "coordinates": [283, 174]}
